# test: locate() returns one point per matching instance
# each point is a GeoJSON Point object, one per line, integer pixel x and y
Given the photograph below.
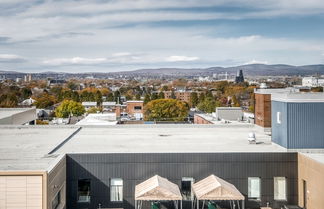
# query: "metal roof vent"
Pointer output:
{"type": "Point", "coordinates": [251, 138]}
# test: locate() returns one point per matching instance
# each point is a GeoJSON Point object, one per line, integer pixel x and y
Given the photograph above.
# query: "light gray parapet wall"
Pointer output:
{"type": "Point", "coordinates": [17, 116]}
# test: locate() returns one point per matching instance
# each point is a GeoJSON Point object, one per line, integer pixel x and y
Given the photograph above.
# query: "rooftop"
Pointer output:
{"type": "Point", "coordinates": [39, 147]}
{"type": "Point", "coordinates": [299, 97]}
{"type": "Point", "coordinates": [273, 91]}
{"type": "Point", "coordinates": [169, 139]}
{"type": "Point", "coordinates": [7, 112]}
{"type": "Point", "coordinates": [27, 147]}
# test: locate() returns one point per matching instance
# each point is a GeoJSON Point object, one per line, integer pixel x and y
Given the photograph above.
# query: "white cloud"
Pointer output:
{"type": "Point", "coordinates": [256, 62]}
{"type": "Point", "coordinates": [75, 60]}
{"type": "Point", "coordinates": [181, 59]}
{"type": "Point", "coordinates": [11, 58]}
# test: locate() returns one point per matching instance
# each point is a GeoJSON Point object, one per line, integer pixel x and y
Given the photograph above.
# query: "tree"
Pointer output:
{"type": "Point", "coordinates": [207, 105]}
{"type": "Point", "coordinates": [147, 98]}
{"type": "Point", "coordinates": [154, 96]}
{"type": "Point", "coordinates": [68, 108]}
{"type": "Point", "coordinates": [166, 110]}
{"type": "Point", "coordinates": [161, 95]}
{"type": "Point", "coordinates": [173, 96]}
{"type": "Point", "coordinates": [193, 99]}
{"type": "Point", "coordinates": [45, 100]}
{"type": "Point", "coordinates": [110, 97]}
{"type": "Point", "coordinates": [94, 110]}
{"type": "Point", "coordinates": [138, 96]}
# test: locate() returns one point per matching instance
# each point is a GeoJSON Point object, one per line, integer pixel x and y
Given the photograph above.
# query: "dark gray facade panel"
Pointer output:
{"type": "Point", "coordinates": [135, 168]}
{"type": "Point", "coordinates": [56, 181]}
{"type": "Point", "coordinates": [302, 125]}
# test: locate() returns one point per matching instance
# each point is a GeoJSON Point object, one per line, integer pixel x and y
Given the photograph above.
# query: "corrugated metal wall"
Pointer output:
{"type": "Point", "coordinates": [135, 168]}
{"type": "Point", "coordinates": [302, 125]}
{"type": "Point", "coordinates": [306, 125]}
{"type": "Point", "coordinates": [279, 131]}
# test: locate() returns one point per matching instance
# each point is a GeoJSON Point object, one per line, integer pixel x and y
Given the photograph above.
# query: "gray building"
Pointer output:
{"type": "Point", "coordinates": [17, 116]}
{"type": "Point", "coordinates": [298, 120]}
{"type": "Point", "coordinates": [78, 167]}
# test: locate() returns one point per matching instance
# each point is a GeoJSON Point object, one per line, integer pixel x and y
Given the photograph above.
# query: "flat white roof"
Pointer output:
{"type": "Point", "coordinates": [274, 91]}
{"type": "Point", "coordinates": [26, 148]}
{"type": "Point", "coordinates": [302, 97]}
{"type": "Point", "coordinates": [169, 139]}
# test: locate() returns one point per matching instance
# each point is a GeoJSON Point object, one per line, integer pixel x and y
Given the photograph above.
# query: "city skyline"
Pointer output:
{"type": "Point", "coordinates": [104, 36]}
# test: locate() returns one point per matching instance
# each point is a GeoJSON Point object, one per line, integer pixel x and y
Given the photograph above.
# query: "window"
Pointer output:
{"type": "Point", "coordinates": [279, 117]}
{"type": "Point", "coordinates": [186, 184]}
{"type": "Point", "coordinates": [116, 190]}
{"type": "Point", "coordinates": [137, 107]}
{"type": "Point", "coordinates": [280, 188]}
{"type": "Point", "coordinates": [57, 200]}
{"type": "Point", "coordinates": [254, 187]}
{"type": "Point", "coordinates": [84, 190]}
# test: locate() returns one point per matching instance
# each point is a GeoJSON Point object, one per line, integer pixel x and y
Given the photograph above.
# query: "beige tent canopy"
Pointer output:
{"type": "Point", "coordinates": [215, 188]}
{"type": "Point", "coordinates": [157, 188]}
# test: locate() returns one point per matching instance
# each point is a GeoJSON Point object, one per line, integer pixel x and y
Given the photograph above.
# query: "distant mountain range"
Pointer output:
{"type": "Point", "coordinates": [250, 70]}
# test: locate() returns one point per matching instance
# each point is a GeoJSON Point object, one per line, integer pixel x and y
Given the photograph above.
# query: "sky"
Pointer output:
{"type": "Point", "coordinates": [118, 35]}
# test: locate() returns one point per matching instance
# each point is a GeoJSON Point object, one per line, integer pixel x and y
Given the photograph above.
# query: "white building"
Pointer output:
{"type": "Point", "coordinates": [99, 119]}
{"type": "Point", "coordinates": [88, 105]}
{"type": "Point", "coordinates": [313, 82]}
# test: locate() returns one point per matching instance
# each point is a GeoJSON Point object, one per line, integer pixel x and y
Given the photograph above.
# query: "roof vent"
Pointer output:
{"type": "Point", "coordinates": [251, 138]}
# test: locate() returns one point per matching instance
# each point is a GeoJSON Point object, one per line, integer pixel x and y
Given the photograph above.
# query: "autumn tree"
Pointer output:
{"type": "Point", "coordinates": [69, 108]}
{"type": "Point", "coordinates": [194, 99]}
{"type": "Point", "coordinates": [45, 100]}
{"type": "Point", "coordinates": [166, 110]}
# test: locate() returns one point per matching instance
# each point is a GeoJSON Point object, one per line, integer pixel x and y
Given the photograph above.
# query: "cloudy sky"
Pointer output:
{"type": "Point", "coordinates": [114, 35]}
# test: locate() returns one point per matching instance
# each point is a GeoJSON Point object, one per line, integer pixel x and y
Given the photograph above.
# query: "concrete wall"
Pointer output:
{"type": "Point", "coordinates": [312, 172]}
{"type": "Point", "coordinates": [301, 126]}
{"type": "Point", "coordinates": [135, 168]}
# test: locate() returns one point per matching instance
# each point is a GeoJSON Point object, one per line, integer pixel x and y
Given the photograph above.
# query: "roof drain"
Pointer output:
{"type": "Point", "coordinates": [66, 140]}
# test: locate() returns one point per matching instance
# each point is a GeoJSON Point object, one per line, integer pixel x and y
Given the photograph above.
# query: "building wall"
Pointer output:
{"type": "Point", "coordinates": [57, 182]}
{"type": "Point", "coordinates": [312, 172]}
{"type": "Point", "coordinates": [21, 191]}
{"type": "Point", "coordinates": [131, 111]}
{"type": "Point", "coordinates": [263, 110]}
{"type": "Point", "coordinates": [28, 115]}
{"type": "Point", "coordinates": [279, 131]}
{"type": "Point", "coordinates": [200, 120]}
{"type": "Point", "coordinates": [301, 127]}
{"type": "Point", "coordinates": [135, 168]}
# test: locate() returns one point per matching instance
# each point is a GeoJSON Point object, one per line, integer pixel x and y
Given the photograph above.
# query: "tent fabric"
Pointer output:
{"type": "Point", "coordinates": [215, 188]}
{"type": "Point", "coordinates": [157, 188]}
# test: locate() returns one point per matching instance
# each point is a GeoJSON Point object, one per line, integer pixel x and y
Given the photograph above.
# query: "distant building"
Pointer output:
{"type": "Point", "coordinates": [100, 119]}
{"type": "Point", "coordinates": [312, 82]}
{"type": "Point", "coordinates": [229, 113]}
{"type": "Point", "coordinates": [54, 82]}
{"type": "Point", "coordinates": [28, 78]}
{"type": "Point", "coordinates": [135, 109]}
{"type": "Point", "coordinates": [27, 102]}
{"type": "Point", "coordinates": [239, 77]}
{"type": "Point", "coordinates": [109, 106]}
{"type": "Point", "coordinates": [183, 96]}
{"type": "Point", "coordinates": [88, 105]}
